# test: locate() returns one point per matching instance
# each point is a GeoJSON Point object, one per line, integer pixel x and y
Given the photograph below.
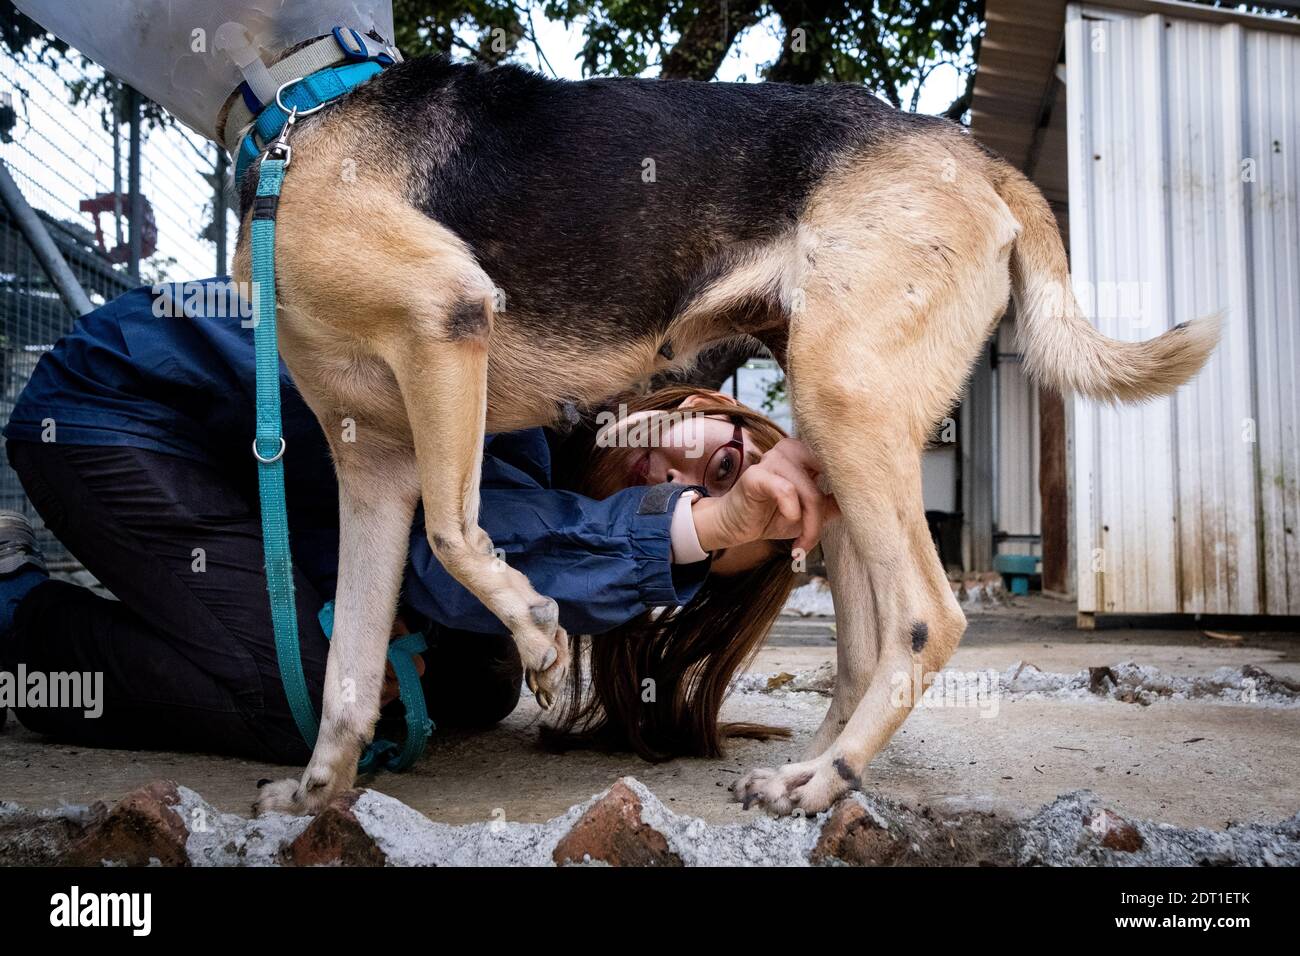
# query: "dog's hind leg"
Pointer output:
{"type": "Point", "coordinates": [903, 616]}
{"type": "Point", "coordinates": [855, 661]}
{"type": "Point", "coordinates": [895, 310]}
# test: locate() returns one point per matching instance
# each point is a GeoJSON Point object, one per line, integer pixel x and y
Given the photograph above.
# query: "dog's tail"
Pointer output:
{"type": "Point", "coordinates": [1061, 347]}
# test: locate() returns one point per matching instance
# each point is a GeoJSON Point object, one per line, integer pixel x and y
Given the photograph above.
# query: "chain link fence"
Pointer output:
{"type": "Point", "coordinates": [66, 137]}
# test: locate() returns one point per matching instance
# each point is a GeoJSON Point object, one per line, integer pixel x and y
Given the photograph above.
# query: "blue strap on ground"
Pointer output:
{"type": "Point", "coordinates": [410, 692]}
{"type": "Point", "coordinates": [269, 448]}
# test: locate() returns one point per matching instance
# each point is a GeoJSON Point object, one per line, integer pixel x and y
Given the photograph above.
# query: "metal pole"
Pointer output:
{"type": "Point", "coordinates": [219, 208]}
{"type": "Point", "coordinates": [43, 247]}
{"type": "Point", "coordinates": [117, 166]}
{"type": "Point", "coordinates": [135, 208]}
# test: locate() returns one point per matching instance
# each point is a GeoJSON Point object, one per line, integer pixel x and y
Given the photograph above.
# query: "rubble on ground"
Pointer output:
{"type": "Point", "coordinates": [974, 591]}
{"type": "Point", "coordinates": [811, 600]}
{"type": "Point", "coordinates": [977, 591]}
{"type": "Point", "coordinates": [168, 824]}
{"type": "Point", "coordinates": [1133, 683]}
{"type": "Point", "coordinates": [1126, 682]}
{"type": "Point", "coordinates": [819, 680]}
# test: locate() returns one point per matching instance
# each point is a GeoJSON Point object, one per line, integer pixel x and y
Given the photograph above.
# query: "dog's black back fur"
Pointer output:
{"type": "Point", "coordinates": [543, 179]}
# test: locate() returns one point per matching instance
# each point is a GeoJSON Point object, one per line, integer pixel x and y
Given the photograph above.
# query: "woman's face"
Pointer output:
{"type": "Point", "coordinates": [691, 449]}
{"type": "Point", "coordinates": [686, 448]}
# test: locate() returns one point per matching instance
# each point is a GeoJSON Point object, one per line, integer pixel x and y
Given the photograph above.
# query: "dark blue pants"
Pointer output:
{"type": "Point", "coordinates": [187, 650]}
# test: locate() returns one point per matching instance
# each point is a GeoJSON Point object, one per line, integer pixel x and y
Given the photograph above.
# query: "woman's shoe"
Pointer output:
{"type": "Point", "coordinates": [18, 553]}
{"type": "Point", "coordinates": [22, 568]}
{"type": "Point", "coordinates": [18, 547]}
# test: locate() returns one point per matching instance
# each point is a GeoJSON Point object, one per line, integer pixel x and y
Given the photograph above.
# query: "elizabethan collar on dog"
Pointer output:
{"type": "Point", "coordinates": [189, 56]}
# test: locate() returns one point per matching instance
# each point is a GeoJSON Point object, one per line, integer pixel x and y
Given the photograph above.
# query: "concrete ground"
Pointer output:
{"type": "Point", "coordinates": [1187, 737]}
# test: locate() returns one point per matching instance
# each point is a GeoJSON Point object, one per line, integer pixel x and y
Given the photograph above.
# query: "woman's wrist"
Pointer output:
{"type": "Point", "coordinates": [704, 513]}
{"type": "Point", "coordinates": [683, 535]}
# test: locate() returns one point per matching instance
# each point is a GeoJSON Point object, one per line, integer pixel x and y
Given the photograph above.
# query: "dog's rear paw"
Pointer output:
{"type": "Point", "coordinates": [811, 787]}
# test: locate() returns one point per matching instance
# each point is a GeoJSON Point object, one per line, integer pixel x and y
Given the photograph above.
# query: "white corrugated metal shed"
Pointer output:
{"type": "Point", "coordinates": [1014, 91]}
{"type": "Point", "coordinates": [1017, 505]}
{"type": "Point", "coordinates": [1184, 142]}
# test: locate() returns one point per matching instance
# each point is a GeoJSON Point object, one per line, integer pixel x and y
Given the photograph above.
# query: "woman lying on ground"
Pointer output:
{"type": "Point", "coordinates": [132, 441]}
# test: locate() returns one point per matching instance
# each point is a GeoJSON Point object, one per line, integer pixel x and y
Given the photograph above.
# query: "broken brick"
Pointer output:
{"type": "Point", "coordinates": [1101, 680]}
{"type": "Point", "coordinates": [612, 831]}
{"type": "Point", "coordinates": [145, 826]}
{"type": "Point", "coordinates": [853, 836]}
{"type": "Point", "coordinates": [335, 837]}
{"type": "Point", "coordinates": [1114, 831]}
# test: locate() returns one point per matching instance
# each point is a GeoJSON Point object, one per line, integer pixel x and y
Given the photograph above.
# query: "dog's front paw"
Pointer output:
{"type": "Point", "coordinates": [546, 682]}
{"type": "Point", "coordinates": [276, 796]}
{"type": "Point", "coordinates": [544, 649]}
{"type": "Point", "coordinates": [304, 797]}
{"type": "Point", "coordinates": [811, 787]}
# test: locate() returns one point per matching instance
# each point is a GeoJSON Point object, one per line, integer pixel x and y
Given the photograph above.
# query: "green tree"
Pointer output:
{"type": "Point", "coordinates": [892, 46]}
{"type": "Point", "coordinates": [485, 30]}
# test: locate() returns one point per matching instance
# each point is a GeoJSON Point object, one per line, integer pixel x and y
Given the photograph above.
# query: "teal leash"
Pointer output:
{"type": "Point", "coordinates": [411, 693]}
{"type": "Point", "coordinates": [268, 449]}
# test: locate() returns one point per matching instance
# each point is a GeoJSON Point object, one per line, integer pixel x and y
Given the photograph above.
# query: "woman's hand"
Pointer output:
{"type": "Point", "coordinates": [775, 499]}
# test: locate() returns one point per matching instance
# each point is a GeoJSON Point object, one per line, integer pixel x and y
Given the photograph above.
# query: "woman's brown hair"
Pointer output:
{"type": "Point", "coordinates": [689, 655]}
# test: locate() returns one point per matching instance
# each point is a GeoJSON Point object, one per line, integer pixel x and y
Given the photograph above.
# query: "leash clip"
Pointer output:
{"type": "Point", "coordinates": [281, 149]}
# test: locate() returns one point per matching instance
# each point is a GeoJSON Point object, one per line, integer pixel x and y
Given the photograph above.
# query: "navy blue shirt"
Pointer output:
{"type": "Point", "coordinates": [170, 369]}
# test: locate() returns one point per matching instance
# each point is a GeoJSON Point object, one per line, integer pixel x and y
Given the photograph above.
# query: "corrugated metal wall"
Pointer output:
{"type": "Point", "coordinates": [1019, 506]}
{"type": "Point", "coordinates": [1184, 201]}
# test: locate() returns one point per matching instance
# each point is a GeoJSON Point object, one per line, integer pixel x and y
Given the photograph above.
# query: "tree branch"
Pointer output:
{"type": "Point", "coordinates": [958, 107]}
{"type": "Point", "coordinates": [810, 64]}
{"type": "Point", "coordinates": [707, 39]}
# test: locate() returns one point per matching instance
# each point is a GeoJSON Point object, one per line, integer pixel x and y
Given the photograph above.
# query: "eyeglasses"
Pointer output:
{"type": "Point", "coordinates": [726, 463]}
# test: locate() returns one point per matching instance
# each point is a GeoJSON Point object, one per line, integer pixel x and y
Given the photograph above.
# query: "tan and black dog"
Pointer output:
{"type": "Point", "coordinates": [463, 249]}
